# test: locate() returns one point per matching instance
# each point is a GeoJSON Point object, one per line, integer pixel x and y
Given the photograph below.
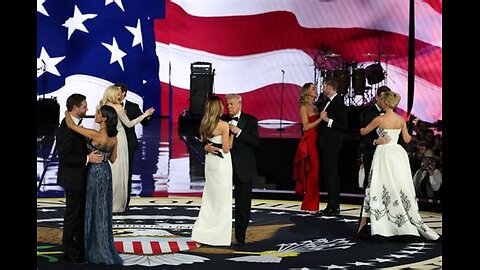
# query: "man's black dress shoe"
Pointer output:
{"type": "Point", "coordinates": [75, 260]}
{"type": "Point", "coordinates": [364, 232]}
{"type": "Point", "coordinates": [329, 212]}
{"type": "Point", "coordinates": [239, 244]}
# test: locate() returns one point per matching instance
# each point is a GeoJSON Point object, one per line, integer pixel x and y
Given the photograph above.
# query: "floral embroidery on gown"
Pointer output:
{"type": "Point", "coordinates": [99, 243]}
{"type": "Point", "coordinates": [214, 222]}
{"type": "Point", "coordinates": [390, 199]}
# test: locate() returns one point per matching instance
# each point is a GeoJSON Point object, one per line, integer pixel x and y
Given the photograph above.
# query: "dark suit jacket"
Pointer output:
{"type": "Point", "coordinates": [333, 136]}
{"type": "Point", "coordinates": [243, 150]}
{"type": "Point", "coordinates": [72, 153]}
{"type": "Point", "coordinates": [133, 111]}
{"type": "Point", "coordinates": [365, 118]}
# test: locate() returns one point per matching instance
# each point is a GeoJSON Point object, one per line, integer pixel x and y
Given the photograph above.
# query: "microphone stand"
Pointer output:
{"type": "Point", "coordinates": [44, 79]}
{"type": "Point", "coordinates": [281, 102]}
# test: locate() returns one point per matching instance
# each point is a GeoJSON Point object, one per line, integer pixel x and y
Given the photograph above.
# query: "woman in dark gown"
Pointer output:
{"type": "Point", "coordinates": [99, 244]}
{"type": "Point", "coordinates": [306, 163]}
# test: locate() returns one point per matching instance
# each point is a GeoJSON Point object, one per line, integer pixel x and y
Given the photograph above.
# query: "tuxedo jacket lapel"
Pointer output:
{"type": "Point", "coordinates": [241, 121]}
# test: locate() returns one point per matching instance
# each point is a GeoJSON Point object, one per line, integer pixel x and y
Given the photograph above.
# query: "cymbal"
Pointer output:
{"type": "Point", "coordinates": [332, 55]}
{"type": "Point", "coordinates": [388, 54]}
{"type": "Point", "coordinates": [376, 54]}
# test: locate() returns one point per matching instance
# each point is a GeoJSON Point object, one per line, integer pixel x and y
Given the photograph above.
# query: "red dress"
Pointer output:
{"type": "Point", "coordinates": [306, 166]}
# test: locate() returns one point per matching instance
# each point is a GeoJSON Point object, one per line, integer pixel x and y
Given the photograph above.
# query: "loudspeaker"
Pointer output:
{"type": "Point", "coordinates": [48, 113]}
{"type": "Point", "coordinates": [358, 81]}
{"type": "Point", "coordinates": [343, 77]}
{"type": "Point", "coordinates": [201, 87]}
{"type": "Point", "coordinates": [374, 74]}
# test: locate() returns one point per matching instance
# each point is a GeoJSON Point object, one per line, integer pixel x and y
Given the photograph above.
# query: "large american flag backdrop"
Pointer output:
{"type": "Point", "coordinates": [263, 49]}
{"type": "Point", "coordinates": [85, 45]}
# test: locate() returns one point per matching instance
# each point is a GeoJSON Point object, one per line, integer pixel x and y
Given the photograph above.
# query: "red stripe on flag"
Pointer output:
{"type": "Point", "coordinates": [156, 249]}
{"type": "Point", "coordinates": [174, 246]}
{"type": "Point", "coordinates": [352, 43]}
{"type": "Point", "coordinates": [137, 247]}
{"type": "Point", "coordinates": [119, 246]}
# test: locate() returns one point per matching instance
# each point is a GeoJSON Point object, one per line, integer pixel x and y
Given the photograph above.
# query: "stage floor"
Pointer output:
{"type": "Point", "coordinates": [156, 232]}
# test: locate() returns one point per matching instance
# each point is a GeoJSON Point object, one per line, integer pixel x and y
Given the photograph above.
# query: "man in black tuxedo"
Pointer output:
{"type": "Point", "coordinates": [245, 128]}
{"type": "Point", "coordinates": [133, 111]}
{"type": "Point", "coordinates": [330, 141]}
{"type": "Point", "coordinates": [370, 141]}
{"type": "Point", "coordinates": [73, 159]}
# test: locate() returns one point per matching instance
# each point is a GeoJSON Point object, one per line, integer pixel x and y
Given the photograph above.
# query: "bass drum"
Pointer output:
{"type": "Point", "coordinates": [358, 81]}
{"type": "Point", "coordinates": [343, 77]}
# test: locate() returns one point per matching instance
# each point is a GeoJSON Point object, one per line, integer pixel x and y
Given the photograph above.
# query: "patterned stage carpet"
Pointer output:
{"type": "Point", "coordinates": [155, 232]}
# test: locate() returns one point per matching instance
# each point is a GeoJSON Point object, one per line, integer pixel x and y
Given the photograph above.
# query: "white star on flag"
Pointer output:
{"type": "Point", "coordinates": [137, 34]}
{"type": "Point", "coordinates": [76, 22]}
{"type": "Point", "coordinates": [117, 54]}
{"type": "Point", "coordinates": [50, 62]}
{"type": "Point", "coordinates": [118, 2]}
{"type": "Point", "coordinates": [41, 8]}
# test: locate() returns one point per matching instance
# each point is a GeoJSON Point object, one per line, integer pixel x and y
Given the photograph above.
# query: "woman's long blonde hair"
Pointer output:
{"type": "Point", "coordinates": [213, 111]}
{"type": "Point", "coordinates": [305, 94]}
{"type": "Point", "coordinates": [110, 95]}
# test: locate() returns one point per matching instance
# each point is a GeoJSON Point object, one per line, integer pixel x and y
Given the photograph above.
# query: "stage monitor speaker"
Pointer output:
{"type": "Point", "coordinates": [48, 114]}
{"type": "Point", "coordinates": [201, 87]}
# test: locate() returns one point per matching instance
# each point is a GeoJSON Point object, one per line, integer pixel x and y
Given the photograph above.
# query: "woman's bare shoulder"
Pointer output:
{"type": "Point", "coordinates": [222, 123]}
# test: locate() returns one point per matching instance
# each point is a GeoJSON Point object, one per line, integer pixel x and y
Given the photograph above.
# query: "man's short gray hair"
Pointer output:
{"type": "Point", "coordinates": [235, 96]}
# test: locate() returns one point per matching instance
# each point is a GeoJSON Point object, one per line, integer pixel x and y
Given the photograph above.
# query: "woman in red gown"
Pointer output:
{"type": "Point", "coordinates": [306, 163]}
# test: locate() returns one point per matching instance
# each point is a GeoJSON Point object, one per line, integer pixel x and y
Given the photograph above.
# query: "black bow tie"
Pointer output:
{"type": "Point", "coordinates": [233, 118]}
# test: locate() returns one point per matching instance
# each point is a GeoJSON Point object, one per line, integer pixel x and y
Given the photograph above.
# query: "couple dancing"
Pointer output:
{"type": "Point", "coordinates": [230, 141]}
{"type": "Point", "coordinates": [390, 200]}
{"type": "Point", "coordinates": [323, 124]}
{"type": "Point", "coordinates": [89, 179]}
{"type": "Point", "coordinates": [86, 176]}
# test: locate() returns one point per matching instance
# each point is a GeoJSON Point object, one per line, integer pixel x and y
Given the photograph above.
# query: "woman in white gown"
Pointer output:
{"type": "Point", "coordinates": [111, 97]}
{"type": "Point", "coordinates": [214, 222]}
{"type": "Point", "coordinates": [390, 200]}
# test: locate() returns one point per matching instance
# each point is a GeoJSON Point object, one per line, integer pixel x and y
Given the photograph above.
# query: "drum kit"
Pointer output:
{"type": "Point", "coordinates": [351, 76]}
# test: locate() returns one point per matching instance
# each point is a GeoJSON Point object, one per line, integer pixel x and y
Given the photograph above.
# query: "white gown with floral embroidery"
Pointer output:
{"type": "Point", "coordinates": [390, 199]}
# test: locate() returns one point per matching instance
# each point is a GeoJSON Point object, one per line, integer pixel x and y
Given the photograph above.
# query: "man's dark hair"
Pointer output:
{"type": "Point", "coordinates": [383, 89]}
{"type": "Point", "coordinates": [75, 100]}
{"type": "Point", "coordinates": [331, 81]}
{"type": "Point", "coordinates": [123, 86]}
